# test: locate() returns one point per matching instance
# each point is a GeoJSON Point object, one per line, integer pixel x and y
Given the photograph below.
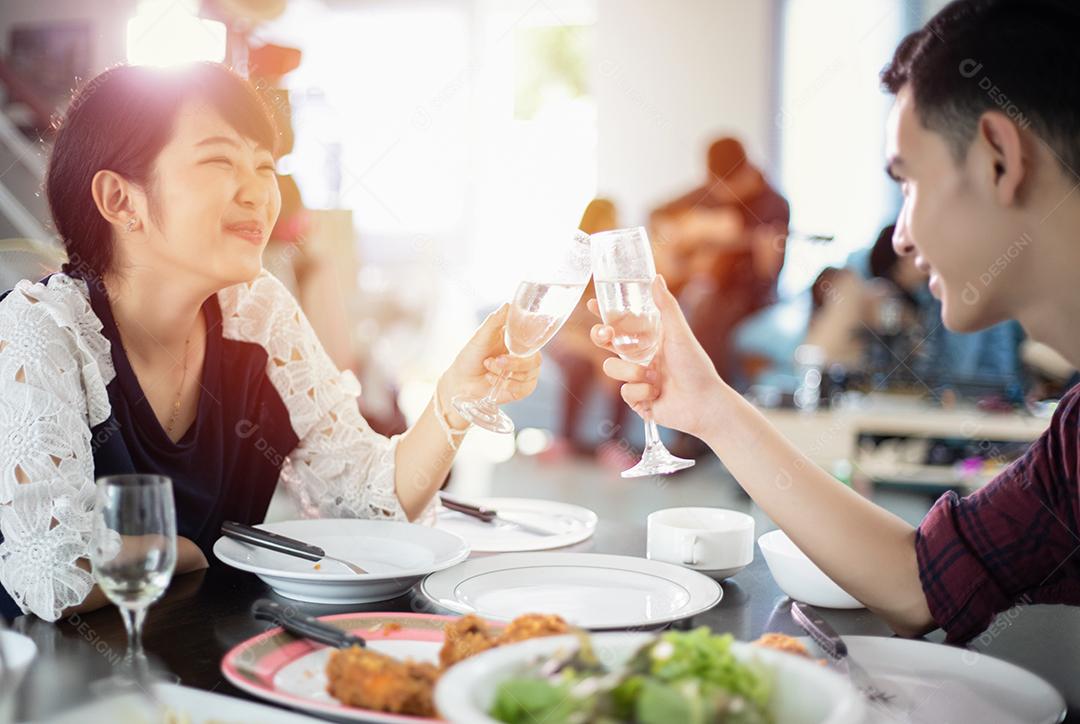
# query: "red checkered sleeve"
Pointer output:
{"type": "Point", "coordinates": [1014, 541]}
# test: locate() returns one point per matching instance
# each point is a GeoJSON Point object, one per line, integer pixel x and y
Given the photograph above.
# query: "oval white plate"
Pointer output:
{"type": "Point", "coordinates": [182, 704]}
{"type": "Point", "coordinates": [396, 554]}
{"type": "Point", "coordinates": [805, 693]}
{"type": "Point", "coordinates": [935, 683]}
{"type": "Point", "coordinates": [589, 590]}
{"type": "Point", "coordinates": [570, 524]}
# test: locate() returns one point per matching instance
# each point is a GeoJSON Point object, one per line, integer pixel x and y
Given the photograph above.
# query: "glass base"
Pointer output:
{"type": "Point", "coordinates": [657, 461]}
{"type": "Point", "coordinates": [483, 414]}
{"type": "Point", "coordinates": [134, 674]}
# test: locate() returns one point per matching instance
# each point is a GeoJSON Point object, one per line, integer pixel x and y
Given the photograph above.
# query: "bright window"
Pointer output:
{"type": "Point", "coordinates": [832, 127]}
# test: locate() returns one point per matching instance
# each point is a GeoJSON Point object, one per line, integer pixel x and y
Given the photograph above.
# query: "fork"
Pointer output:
{"type": "Point", "coordinates": [825, 636]}
{"type": "Point", "coordinates": [276, 542]}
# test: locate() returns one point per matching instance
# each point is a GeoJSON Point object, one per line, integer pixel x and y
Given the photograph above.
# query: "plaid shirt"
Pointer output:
{"type": "Point", "coordinates": [1014, 541]}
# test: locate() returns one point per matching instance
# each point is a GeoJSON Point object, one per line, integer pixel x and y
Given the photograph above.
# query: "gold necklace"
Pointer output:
{"type": "Point", "coordinates": [180, 391]}
{"type": "Point", "coordinates": [183, 379]}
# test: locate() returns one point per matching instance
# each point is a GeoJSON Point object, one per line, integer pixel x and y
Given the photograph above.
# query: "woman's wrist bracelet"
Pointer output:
{"type": "Point", "coordinates": [454, 435]}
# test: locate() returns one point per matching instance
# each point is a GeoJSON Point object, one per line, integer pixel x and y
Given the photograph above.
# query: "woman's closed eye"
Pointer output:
{"type": "Point", "coordinates": [221, 160]}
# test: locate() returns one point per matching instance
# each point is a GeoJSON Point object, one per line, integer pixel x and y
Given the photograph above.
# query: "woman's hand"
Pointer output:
{"type": "Point", "coordinates": [189, 557]}
{"type": "Point", "coordinates": [680, 388]}
{"type": "Point", "coordinates": [479, 365]}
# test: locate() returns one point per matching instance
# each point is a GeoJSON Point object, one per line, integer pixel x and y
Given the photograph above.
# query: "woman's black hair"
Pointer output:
{"type": "Point", "coordinates": [120, 121]}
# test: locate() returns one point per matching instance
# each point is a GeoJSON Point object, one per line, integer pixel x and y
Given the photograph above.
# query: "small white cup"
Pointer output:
{"type": "Point", "coordinates": [714, 541]}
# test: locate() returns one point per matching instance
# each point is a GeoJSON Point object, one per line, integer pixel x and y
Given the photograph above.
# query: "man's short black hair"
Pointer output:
{"type": "Point", "coordinates": [1020, 57]}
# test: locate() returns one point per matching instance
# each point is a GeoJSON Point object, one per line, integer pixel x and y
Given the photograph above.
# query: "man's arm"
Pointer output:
{"type": "Point", "coordinates": [866, 549]}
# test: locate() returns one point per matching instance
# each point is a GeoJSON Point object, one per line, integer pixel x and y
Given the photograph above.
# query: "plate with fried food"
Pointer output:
{"type": "Point", "coordinates": [392, 679]}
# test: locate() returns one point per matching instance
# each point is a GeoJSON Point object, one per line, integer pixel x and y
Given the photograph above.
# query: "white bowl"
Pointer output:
{"type": "Point", "coordinates": [803, 691]}
{"type": "Point", "coordinates": [396, 554]}
{"type": "Point", "coordinates": [798, 576]}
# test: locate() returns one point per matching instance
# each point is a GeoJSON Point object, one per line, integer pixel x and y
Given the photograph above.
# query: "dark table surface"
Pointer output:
{"type": "Point", "coordinates": [206, 613]}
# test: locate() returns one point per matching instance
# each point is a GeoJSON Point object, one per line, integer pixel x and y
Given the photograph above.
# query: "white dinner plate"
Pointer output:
{"type": "Point", "coordinates": [589, 590]}
{"type": "Point", "coordinates": [569, 524]}
{"type": "Point", "coordinates": [182, 705]}
{"type": "Point", "coordinates": [396, 554]}
{"type": "Point", "coordinates": [938, 684]}
{"type": "Point", "coordinates": [804, 692]}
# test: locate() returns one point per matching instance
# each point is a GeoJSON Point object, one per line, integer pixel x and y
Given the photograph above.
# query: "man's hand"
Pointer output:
{"type": "Point", "coordinates": [679, 387]}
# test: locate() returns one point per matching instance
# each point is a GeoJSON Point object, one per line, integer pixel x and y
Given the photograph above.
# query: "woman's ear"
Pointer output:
{"type": "Point", "coordinates": [1002, 141]}
{"type": "Point", "coordinates": [114, 198]}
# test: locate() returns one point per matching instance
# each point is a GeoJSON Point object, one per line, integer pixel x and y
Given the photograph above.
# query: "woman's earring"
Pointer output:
{"type": "Point", "coordinates": [131, 223]}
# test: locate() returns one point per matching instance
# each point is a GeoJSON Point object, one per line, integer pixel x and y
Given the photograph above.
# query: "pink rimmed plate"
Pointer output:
{"type": "Point", "coordinates": [278, 667]}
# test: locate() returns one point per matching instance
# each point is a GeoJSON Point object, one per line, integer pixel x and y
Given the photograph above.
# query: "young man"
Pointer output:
{"type": "Point", "coordinates": [984, 140]}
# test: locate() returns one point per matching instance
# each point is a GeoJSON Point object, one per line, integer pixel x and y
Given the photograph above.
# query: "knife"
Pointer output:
{"type": "Point", "coordinates": [489, 515]}
{"type": "Point", "coordinates": [825, 636]}
{"type": "Point", "coordinates": [304, 626]}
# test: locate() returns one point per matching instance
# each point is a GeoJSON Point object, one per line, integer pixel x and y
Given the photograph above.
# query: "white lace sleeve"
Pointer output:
{"type": "Point", "coordinates": [54, 365]}
{"type": "Point", "coordinates": [341, 468]}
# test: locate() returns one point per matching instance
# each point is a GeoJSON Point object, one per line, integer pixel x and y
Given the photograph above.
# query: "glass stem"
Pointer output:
{"type": "Point", "coordinates": [133, 622]}
{"type": "Point", "coordinates": [493, 393]}
{"type": "Point", "coordinates": [652, 433]}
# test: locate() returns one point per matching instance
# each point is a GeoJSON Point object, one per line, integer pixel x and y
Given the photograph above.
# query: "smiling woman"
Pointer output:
{"type": "Point", "coordinates": [162, 346]}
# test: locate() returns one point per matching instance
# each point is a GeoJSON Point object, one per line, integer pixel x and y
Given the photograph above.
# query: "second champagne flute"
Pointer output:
{"type": "Point", "coordinates": [538, 311]}
{"type": "Point", "coordinates": [623, 270]}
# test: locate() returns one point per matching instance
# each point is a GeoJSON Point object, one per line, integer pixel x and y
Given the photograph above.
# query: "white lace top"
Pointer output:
{"type": "Point", "coordinates": [55, 369]}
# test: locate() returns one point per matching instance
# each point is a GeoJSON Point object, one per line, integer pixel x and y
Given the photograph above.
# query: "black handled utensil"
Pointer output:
{"type": "Point", "coordinates": [488, 515]}
{"type": "Point", "coordinates": [282, 544]}
{"type": "Point", "coordinates": [304, 626]}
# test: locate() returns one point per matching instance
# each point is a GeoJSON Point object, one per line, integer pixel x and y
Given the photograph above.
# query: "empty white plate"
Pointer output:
{"type": "Point", "coordinates": [179, 704]}
{"type": "Point", "coordinates": [395, 554]}
{"type": "Point", "coordinates": [589, 590]}
{"type": "Point", "coordinates": [568, 524]}
{"type": "Point", "coordinates": [936, 684]}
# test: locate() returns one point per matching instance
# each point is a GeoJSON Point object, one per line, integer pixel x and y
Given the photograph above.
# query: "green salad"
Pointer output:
{"type": "Point", "coordinates": [690, 677]}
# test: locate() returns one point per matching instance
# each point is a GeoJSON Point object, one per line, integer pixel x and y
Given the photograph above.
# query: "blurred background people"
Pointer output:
{"type": "Point", "coordinates": [722, 247]}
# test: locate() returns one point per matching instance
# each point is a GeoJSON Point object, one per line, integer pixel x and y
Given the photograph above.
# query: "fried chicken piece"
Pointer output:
{"type": "Point", "coordinates": [533, 626]}
{"type": "Point", "coordinates": [465, 637]}
{"type": "Point", "coordinates": [785, 643]}
{"type": "Point", "coordinates": [370, 680]}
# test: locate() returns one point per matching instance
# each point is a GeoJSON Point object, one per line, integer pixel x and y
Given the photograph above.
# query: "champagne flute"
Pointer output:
{"type": "Point", "coordinates": [624, 270]}
{"type": "Point", "coordinates": [537, 312]}
{"type": "Point", "coordinates": [133, 548]}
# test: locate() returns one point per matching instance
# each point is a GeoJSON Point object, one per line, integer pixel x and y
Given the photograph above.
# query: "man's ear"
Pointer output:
{"type": "Point", "coordinates": [113, 197]}
{"type": "Point", "coordinates": [1004, 148]}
